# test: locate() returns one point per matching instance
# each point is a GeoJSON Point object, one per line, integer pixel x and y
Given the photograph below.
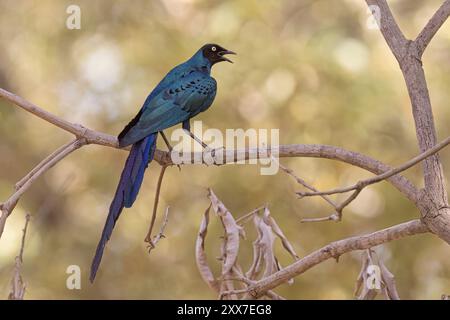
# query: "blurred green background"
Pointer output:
{"type": "Point", "coordinates": [312, 68]}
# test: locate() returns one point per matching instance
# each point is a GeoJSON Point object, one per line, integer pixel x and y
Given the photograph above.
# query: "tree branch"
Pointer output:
{"type": "Point", "coordinates": [246, 217]}
{"type": "Point", "coordinates": [78, 130]}
{"type": "Point", "coordinates": [17, 285]}
{"type": "Point", "coordinates": [40, 165]}
{"type": "Point", "coordinates": [390, 29]}
{"type": "Point", "coordinates": [336, 216]}
{"type": "Point", "coordinates": [148, 237]}
{"type": "Point", "coordinates": [28, 180]}
{"type": "Point", "coordinates": [435, 23]}
{"type": "Point", "coordinates": [367, 182]}
{"type": "Point", "coordinates": [334, 250]}
{"type": "Point", "coordinates": [318, 151]}
{"type": "Point", "coordinates": [88, 136]}
{"type": "Point", "coordinates": [160, 234]}
{"type": "Point", "coordinates": [433, 205]}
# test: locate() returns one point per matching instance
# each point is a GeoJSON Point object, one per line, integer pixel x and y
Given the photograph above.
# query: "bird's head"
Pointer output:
{"type": "Point", "coordinates": [215, 53]}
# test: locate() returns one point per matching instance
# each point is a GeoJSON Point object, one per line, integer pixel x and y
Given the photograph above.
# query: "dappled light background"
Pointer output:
{"type": "Point", "coordinates": [313, 69]}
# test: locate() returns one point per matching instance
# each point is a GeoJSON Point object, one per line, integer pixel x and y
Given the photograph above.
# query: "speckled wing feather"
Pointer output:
{"type": "Point", "coordinates": [180, 101]}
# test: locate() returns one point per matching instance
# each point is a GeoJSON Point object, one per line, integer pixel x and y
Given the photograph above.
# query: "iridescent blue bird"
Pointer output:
{"type": "Point", "coordinates": [184, 92]}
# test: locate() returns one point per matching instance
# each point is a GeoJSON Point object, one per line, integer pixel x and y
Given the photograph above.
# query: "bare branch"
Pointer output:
{"type": "Point", "coordinates": [17, 285]}
{"type": "Point", "coordinates": [390, 29]}
{"type": "Point", "coordinates": [76, 129]}
{"type": "Point", "coordinates": [331, 217]}
{"type": "Point", "coordinates": [231, 156]}
{"type": "Point", "coordinates": [435, 23]}
{"type": "Point", "coordinates": [434, 206]}
{"type": "Point", "coordinates": [337, 216]}
{"type": "Point", "coordinates": [160, 234]}
{"type": "Point", "coordinates": [364, 183]}
{"type": "Point", "coordinates": [334, 250]}
{"type": "Point", "coordinates": [26, 182]}
{"type": "Point", "coordinates": [88, 136]}
{"type": "Point", "coordinates": [40, 165]}
{"type": "Point", "coordinates": [360, 185]}
{"type": "Point", "coordinates": [148, 237]}
{"type": "Point", "coordinates": [246, 217]}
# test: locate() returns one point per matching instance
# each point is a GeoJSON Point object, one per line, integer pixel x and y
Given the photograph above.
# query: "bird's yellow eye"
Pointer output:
{"type": "Point", "coordinates": [213, 49]}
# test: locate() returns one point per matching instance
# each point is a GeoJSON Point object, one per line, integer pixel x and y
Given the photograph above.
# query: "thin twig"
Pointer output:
{"type": "Point", "coordinates": [357, 187]}
{"type": "Point", "coordinates": [17, 285]}
{"type": "Point", "coordinates": [9, 204]}
{"type": "Point", "coordinates": [408, 54]}
{"type": "Point", "coordinates": [303, 182]}
{"type": "Point", "coordinates": [24, 233]}
{"type": "Point", "coordinates": [148, 238]}
{"type": "Point", "coordinates": [274, 296]}
{"type": "Point", "coordinates": [435, 23]}
{"type": "Point", "coordinates": [160, 234]}
{"type": "Point", "coordinates": [41, 164]}
{"type": "Point", "coordinates": [389, 27]}
{"type": "Point", "coordinates": [336, 216]}
{"type": "Point", "coordinates": [243, 219]}
{"type": "Point", "coordinates": [76, 129]}
{"type": "Point", "coordinates": [331, 217]}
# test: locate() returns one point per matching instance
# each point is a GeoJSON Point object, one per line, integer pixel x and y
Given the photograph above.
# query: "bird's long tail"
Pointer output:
{"type": "Point", "coordinates": [141, 154]}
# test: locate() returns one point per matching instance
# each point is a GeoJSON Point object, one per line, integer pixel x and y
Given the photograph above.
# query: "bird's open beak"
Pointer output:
{"type": "Point", "coordinates": [222, 53]}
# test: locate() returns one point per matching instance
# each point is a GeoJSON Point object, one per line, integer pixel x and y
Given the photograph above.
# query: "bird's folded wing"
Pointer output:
{"type": "Point", "coordinates": [180, 101]}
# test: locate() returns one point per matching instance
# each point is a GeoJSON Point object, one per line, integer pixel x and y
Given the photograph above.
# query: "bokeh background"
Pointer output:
{"type": "Point", "coordinates": [311, 68]}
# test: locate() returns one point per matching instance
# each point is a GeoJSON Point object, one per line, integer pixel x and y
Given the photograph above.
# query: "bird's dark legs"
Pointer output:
{"type": "Point", "coordinates": [166, 141]}
{"type": "Point", "coordinates": [187, 128]}
{"type": "Point", "coordinates": [204, 145]}
{"type": "Point", "coordinates": [168, 146]}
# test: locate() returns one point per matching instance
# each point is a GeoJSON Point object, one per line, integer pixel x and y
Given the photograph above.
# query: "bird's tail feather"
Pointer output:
{"type": "Point", "coordinates": [141, 154]}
